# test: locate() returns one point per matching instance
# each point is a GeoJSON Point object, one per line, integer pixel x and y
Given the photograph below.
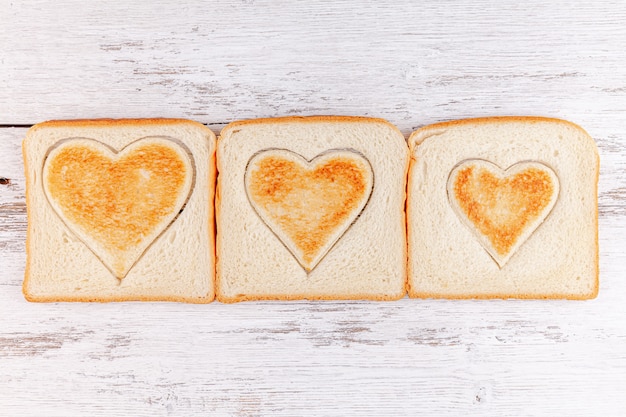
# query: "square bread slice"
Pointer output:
{"type": "Point", "coordinates": [120, 210]}
{"type": "Point", "coordinates": [311, 208]}
{"type": "Point", "coordinates": [503, 208]}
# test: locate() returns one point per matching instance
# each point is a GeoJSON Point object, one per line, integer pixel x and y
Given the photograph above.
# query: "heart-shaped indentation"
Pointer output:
{"type": "Point", "coordinates": [308, 205]}
{"type": "Point", "coordinates": [118, 203]}
{"type": "Point", "coordinates": [502, 207]}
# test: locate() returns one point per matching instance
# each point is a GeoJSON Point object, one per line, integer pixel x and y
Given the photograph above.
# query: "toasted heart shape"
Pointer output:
{"type": "Point", "coordinates": [502, 207]}
{"type": "Point", "coordinates": [118, 202]}
{"type": "Point", "coordinates": [309, 204]}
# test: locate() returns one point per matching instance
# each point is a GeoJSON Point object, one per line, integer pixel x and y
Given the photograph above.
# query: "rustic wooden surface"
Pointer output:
{"type": "Point", "coordinates": [413, 64]}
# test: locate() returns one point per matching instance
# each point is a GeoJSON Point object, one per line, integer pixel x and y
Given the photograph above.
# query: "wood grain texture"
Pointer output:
{"type": "Point", "coordinates": [220, 61]}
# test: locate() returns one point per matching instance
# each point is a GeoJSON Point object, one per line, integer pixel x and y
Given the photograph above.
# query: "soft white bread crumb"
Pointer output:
{"type": "Point", "coordinates": [560, 257]}
{"type": "Point", "coordinates": [176, 263]}
{"type": "Point", "coordinates": [367, 262]}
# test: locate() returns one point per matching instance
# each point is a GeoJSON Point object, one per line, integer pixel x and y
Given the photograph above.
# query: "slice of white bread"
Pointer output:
{"type": "Point", "coordinates": [120, 210]}
{"type": "Point", "coordinates": [503, 207]}
{"type": "Point", "coordinates": [311, 208]}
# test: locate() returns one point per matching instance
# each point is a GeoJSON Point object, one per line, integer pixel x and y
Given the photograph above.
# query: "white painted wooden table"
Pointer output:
{"type": "Point", "coordinates": [414, 64]}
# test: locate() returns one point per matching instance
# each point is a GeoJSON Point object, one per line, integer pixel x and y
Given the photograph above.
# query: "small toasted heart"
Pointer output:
{"type": "Point", "coordinates": [308, 205]}
{"type": "Point", "coordinates": [118, 203]}
{"type": "Point", "coordinates": [502, 207]}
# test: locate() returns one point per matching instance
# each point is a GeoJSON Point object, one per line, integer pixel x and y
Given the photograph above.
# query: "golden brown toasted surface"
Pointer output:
{"type": "Point", "coordinates": [308, 204]}
{"type": "Point", "coordinates": [116, 201]}
{"type": "Point", "coordinates": [501, 208]}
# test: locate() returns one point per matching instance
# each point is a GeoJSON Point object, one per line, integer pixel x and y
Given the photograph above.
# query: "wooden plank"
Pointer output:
{"type": "Point", "coordinates": [12, 207]}
{"type": "Point", "coordinates": [336, 358]}
{"type": "Point", "coordinates": [220, 61]}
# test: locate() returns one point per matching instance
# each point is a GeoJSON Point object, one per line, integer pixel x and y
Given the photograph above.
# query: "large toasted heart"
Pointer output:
{"type": "Point", "coordinates": [118, 203]}
{"type": "Point", "coordinates": [308, 205]}
{"type": "Point", "coordinates": [502, 207]}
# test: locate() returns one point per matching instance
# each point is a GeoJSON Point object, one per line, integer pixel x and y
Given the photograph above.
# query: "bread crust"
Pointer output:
{"type": "Point", "coordinates": [413, 137]}
{"type": "Point", "coordinates": [306, 119]}
{"type": "Point", "coordinates": [111, 123]}
{"type": "Point", "coordinates": [503, 296]}
{"type": "Point", "coordinates": [27, 295]}
{"type": "Point", "coordinates": [52, 299]}
{"type": "Point", "coordinates": [417, 137]}
{"type": "Point", "coordinates": [295, 297]}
